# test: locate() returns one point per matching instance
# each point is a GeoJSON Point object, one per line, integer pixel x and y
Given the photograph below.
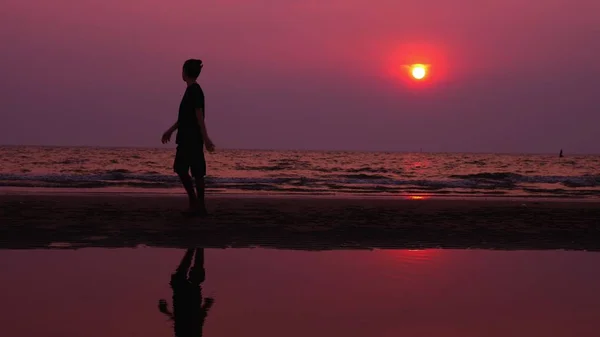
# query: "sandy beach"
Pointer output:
{"type": "Point", "coordinates": [110, 220]}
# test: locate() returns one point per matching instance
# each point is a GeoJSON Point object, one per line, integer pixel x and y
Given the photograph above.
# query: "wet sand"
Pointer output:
{"type": "Point", "coordinates": [92, 220]}
{"type": "Point", "coordinates": [441, 293]}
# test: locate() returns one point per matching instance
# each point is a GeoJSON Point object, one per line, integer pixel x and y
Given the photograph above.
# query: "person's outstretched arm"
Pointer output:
{"type": "Point", "coordinates": [166, 137]}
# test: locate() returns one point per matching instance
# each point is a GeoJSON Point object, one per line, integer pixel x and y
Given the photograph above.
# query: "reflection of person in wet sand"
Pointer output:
{"type": "Point", "coordinates": [189, 311]}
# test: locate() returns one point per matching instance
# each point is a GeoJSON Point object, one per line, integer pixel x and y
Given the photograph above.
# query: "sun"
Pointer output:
{"type": "Point", "coordinates": [418, 71]}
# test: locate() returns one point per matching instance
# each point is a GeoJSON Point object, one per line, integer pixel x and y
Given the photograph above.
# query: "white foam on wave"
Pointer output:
{"type": "Point", "coordinates": [482, 181]}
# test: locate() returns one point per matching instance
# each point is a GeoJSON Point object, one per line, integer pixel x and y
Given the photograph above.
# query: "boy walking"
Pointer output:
{"type": "Point", "coordinates": [191, 139]}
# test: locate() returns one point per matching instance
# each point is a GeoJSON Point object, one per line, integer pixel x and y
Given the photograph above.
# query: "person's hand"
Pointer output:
{"type": "Point", "coordinates": [162, 306]}
{"type": "Point", "coordinates": [210, 146]}
{"type": "Point", "coordinates": [208, 303]}
{"type": "Point", "coordinates": [166, 137]}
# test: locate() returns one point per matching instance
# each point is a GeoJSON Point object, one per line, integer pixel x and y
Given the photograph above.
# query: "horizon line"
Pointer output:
{"type": "Point", "coordinates": [301, 150]}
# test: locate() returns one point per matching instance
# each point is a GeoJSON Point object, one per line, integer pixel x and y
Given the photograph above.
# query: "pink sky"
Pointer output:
{"type": "Point", "coordinates": [506, 76]}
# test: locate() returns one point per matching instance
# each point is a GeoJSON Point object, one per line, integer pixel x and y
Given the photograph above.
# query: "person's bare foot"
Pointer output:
{"type": "Point", "coordinates": [195, 211]}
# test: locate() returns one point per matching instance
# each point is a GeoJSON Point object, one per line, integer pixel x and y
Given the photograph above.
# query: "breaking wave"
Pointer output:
{"type": "Point", "coordinates": [490, 183]}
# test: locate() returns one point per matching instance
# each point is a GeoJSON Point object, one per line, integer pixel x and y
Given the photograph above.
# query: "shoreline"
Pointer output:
{"type": "Point", "coordinates": [29, 221]}
{"type": "Point", "coordinates": [177, 193]}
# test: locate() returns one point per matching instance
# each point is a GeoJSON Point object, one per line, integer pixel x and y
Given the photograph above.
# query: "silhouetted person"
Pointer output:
{"type": "Point", "coordinates": [189, 309]}
{"type": "Point", "coordinates": [191, 139]}
{"type": "Point", "coordinates": [560, 155]}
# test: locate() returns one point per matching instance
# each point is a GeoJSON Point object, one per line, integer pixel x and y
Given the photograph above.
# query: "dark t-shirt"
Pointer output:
{"type": "Point", "coordinates": [188, 132]}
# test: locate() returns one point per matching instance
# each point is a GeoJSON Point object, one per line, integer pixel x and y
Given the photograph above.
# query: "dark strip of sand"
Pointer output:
{"type": "Point", "coordinates": [40, 221]}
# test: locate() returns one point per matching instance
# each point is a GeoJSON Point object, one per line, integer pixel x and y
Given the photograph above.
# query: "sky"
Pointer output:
{"type": "Point", "coordinates": [504, 76]}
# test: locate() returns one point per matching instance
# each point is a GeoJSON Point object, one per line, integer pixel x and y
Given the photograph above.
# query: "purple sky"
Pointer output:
{"type": "Point", "coordinates": [506, 76]}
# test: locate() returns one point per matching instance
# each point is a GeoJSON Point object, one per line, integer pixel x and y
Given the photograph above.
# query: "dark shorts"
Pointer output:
{"type": "Point", "coordinates": [190, 159]}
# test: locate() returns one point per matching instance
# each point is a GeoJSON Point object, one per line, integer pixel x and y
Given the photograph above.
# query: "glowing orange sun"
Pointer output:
{"type": "Point", "coordinates": [418, 71]}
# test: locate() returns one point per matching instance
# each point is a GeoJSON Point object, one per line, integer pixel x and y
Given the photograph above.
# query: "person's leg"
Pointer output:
{"type": "Point", "coordinates": [201, 206]}
{"type": "Point", "coordinates": [188, 184]}
{"type": "Point", "coordinates": [198, 168]}
{"type": "Point", "coordinates": [197, 273]}
{"type": "Point", "coordinates": [181, 166]}
{"type": "Point", "coordinates": [186, 263]}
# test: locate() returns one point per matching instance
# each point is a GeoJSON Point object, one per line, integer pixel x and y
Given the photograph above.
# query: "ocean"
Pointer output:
{"type": "Point", "coordinates": [306, 172]}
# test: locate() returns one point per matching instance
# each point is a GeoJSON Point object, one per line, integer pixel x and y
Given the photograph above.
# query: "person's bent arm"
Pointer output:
{"type": "Point", "coordinates": [166, 137]}
{"type": "Point", "coordinates": [162, 307]}
{"type": "Point", "coordinates": [173, 127]}
{"type": "Point", "coordinates": [208, 303]}
{"type": "Point", "coordinates": [207, 142]}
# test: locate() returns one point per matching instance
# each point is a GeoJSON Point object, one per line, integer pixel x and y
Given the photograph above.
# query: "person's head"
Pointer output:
{"type": "Point", "coordinates": [191, 69]}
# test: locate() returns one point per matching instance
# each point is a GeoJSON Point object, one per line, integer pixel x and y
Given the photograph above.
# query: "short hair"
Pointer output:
{"type": "Point", "coordinates": [192, 68]}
